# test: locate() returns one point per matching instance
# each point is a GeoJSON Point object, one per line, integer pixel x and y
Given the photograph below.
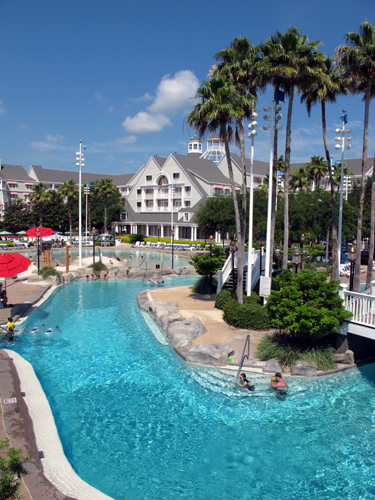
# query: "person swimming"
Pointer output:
{"type": "Point", "coordinates": [246, 384]}
{"type": "Point", "coordinates": [279, 384]}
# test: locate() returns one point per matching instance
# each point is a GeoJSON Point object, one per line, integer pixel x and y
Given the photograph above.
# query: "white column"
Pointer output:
{"type": "Point", "coordinates": [176, 233]}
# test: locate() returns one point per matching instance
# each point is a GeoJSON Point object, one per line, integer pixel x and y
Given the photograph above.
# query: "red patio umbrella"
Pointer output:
{"type": "Point", "coordinates": [43, 231]}
{"type": "Point", "coordinates": [12, 264]}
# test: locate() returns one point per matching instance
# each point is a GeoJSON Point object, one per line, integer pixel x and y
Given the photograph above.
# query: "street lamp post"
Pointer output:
{"type": "Point", "coordinates": [352, 258]}
{"type": "Point", "coordinates": [93, 245]}
{"type": "Point", "coordinates": [80, 164]}
{"type": "Point", "coordinates": [172, 238]}
{"type": "Point", "coordinates": [211, 243]}
{"type": "Point", "coordinates": [38, 248]}
{"type": "Point", "coordinates": [253, 132]}
{"type": "Point", "coordinates": [275, 118]}
{"type": "Point", "coordinates": [296, 259]}
{"type": "Point", "coordinates": [302, 241]}
{"type": "Point", "coordinates": [260, 243]}
{"type": "Point", "coordinates": [233, 249]}
{"type": "Point", "coordinates": [341, 139]}
{"type": "Point", "coordinates": [87, 192]}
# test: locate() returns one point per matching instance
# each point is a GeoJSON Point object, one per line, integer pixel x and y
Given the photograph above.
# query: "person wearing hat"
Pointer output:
{"type": "Point", "coordinates": [279, 384]}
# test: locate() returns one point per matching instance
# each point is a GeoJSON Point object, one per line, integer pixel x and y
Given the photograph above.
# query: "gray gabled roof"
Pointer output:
{"type": "Point", "coordinates": [206, 169]}
{"type": "Point", "coordinates": [14, 173]}
{"type": "Point", "coordinates": [260, 167]}
{"type": "Point", "coordinates": [55, 176]}
{"type": "Point", "coordinates": [159, 160]}
{"type": "Point", "coordinates": [151, 218]}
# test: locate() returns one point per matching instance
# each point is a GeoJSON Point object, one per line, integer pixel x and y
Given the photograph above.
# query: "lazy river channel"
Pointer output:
{"type": "Point", "coordinates": [138, 423]}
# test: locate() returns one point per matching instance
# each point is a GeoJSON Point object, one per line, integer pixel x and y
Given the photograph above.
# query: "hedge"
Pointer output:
{"type": "Point", "coordinates": [250, 315]}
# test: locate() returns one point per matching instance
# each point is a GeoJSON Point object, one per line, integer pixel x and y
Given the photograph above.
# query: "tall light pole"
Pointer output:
{"type": "Point", "coordinates": [80, 164]}
{"type": "Point", "coordinates": [275, 118]}
{"type": "Point", "coordinates": [87, 192]}
{"type": "Point", "coordinates": [252, 126]}
{"type": "Point", "coordinates": [341, 138]}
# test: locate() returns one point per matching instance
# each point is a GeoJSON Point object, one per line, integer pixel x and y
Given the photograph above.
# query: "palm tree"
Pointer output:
{"type": "Point", "coordinates": [222, 108]}
{"type": "Point", "coordinates": [298, 181]}
{"type": "Point", "coordinates": [103, 189]}
{"type": "Point", "coordinates": [69, 191]}
{"type": "Point", "coordinates": [236, 62]}
{"type": "Point", "coordinates": [287, 59]}
{"type": "Point", "coordinates": [357, 59]}
{"type": "Point", "coordinates": [322, 90]}
{"type": "Point", "coordinates": [316, 169]}
{"type": "Point", "coordinates": [39, 196]}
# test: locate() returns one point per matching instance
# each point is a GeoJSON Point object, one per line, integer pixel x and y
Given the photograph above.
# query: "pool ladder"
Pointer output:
{"type": "Point", "coordinates": [244, 355]}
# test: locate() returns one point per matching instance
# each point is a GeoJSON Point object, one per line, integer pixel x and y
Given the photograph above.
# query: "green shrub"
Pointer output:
{"type": "Point", "coordinates": [10, 244]}
{"type": "Point", "coordinates": [125, 239]}
{"type": "Point", "coordinates": [11, 470]}
{"type": "Point", "coordinates": [136, 237]}
{"type": "Point", "coordinates": [288, 349]}
{"type": "Point", "coordinates": [97, 267]}
{"type": "Point", "coordinates": [222, 298]}
{"type": "Point", "coordinates": [50, 271]}
{"type": "Point", "coordinates": [249, 315]}
{"type": "Point", "coordinates": [203, 286]}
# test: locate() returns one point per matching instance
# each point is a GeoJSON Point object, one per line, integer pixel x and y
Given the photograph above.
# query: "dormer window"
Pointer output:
{"type": "Point", "coordinates": [176, 176]}
{"type": "Point", "coordinates": [148, 179]}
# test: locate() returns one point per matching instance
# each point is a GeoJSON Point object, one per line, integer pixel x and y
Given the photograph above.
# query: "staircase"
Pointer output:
{"type": "Point", "coordinates": [228, 285]}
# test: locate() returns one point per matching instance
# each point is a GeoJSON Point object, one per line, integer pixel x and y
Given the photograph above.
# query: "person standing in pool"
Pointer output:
{"type": "Point", "coordinates": [246, 384]}
{"type": "Point", "coordinates": [10, 333]}
{"type": "Point", "coordinates": [279, 384]}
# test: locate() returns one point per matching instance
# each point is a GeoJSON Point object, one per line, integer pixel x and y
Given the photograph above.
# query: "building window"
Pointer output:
{"type": "Point", "coordinates": [227, 191]}
{"type": "Point", "coordinates": [139, 193]}
{"type": "Point", "coordinates": [176, 176]}
{"type": "Point", "coordinates": [177, 192]}
{"type": "Point", "coordinates": [187, 203]}
{"type": "Point", "coordinates": [257, 180]}
{"type": "Point", "coordinates": [13, 197]}
{"type": "Point", "coordinates": [12, 185]}
{"type": "Point", "coordinates": [186, 216]}
{"type": "Point", "coordinates": [139, 206]}
{"type": "Point", "coordinates": [176, 204]}
{"type": "Point", "coordinates": [190, 146]}
{"type": "Point", "coordinates": [148, 179]}
{"type": "Point", "coordinates": [195, 146]}
{"type": "Point", "coordinates": [124, 216]}
{"type": "Point", "coordinates": [149, 194]}
{"type": "Point", "coordinates": [218, 191]}
{"type": "Point", "coordinates": [187, 191]}
{"type": "Point", "coordinates": [200, 147]}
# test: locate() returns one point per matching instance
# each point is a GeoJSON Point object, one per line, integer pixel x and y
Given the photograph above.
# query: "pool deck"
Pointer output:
{"type": "Point", "coordinates": [16, 423]}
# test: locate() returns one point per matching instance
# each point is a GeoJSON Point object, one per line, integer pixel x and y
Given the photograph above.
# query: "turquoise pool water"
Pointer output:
{"type": "Point", "coordinates": [137, 422]}
{"type": "Point", "coordinates": [152, 257]}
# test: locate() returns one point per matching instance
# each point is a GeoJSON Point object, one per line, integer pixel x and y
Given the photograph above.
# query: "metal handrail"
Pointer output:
{"type": "Point", "coordinates": [247, 343]}
{"type": "Point", "coordinates": [168, 268]}
{"type": "Point", "coordinates": [141, 264]}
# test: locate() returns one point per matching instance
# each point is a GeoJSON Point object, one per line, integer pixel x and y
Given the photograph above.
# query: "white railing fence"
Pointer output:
{"type": "Point", "coordinates": [361, 305]}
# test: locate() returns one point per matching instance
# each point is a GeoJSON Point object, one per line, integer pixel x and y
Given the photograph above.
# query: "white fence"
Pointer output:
{"type": "Point", "coordinates": [361, 305]}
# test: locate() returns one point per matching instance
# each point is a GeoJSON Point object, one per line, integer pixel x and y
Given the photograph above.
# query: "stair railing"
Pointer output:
{"type": "Point", "coordinates": [244, 355]}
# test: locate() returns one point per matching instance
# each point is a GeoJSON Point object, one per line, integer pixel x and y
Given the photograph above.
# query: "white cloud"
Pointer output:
{"type": "Point", "coordinates": [55, 138]}
{"type": "Point", "coordinates": [2, 110]}
{"type": "Point", "coordinates": [172, 95]}
{"type": "Point", "coordinates": [173, 92]}
{"type": "Point", "coordinates": [131, 139]}
{"type": "Point", "coordinates": [144, 97]}
{"type": "Point", "coordinates": [144, 123]}
{"type": "Point", "coordinates": [23, 127]}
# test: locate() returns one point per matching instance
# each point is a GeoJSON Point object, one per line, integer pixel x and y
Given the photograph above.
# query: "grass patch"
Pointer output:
{"type": "Point", "coordinates": [287, 350]}
{"type": "Point", "coordinates": [97, 267]}
{"type": "Point", "coordinates": [50, 271]}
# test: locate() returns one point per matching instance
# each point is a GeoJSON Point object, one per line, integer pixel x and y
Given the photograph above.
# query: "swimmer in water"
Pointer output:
{"type": "Point", "coordinates": [279, 384]}
{"type": "Point", "coordinates": [246, 384]}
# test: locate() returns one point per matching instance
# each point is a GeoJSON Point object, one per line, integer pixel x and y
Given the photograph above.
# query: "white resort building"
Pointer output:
{"type": "Point", "coordinates": [165, 192]}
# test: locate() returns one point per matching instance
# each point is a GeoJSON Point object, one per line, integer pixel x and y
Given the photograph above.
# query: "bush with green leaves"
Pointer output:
{"type": "Point", "coordinates": [288, 349]}
{"type": "Point", "coordinates": [50, 271]}
{"type": "Point", "coordinates": [11, 470]}
{"type": "Point", "coordinates": [136, 237]}
{"type": "Point", "coordinates": [250, 315]}
{"type": "Point", "coordinates": [97, 267]}
{"type": "Point", "coordinates": [205, 286]}
{"type": "Point", "coordinates": [306, 304]}
{"type": "Point", "coordinates": [205, 264]}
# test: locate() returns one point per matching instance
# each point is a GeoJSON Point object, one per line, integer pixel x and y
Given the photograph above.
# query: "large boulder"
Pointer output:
{"type": "Point", "coordinates": [209, 354]}
{"type": "Point", "coordinates": [272, 366]}
{"type": "Point", "coordinates": [304, 369]}
{"type": "Point", "coordinates": [191, 326]}
{"type": "Point", "coordinates": [164, 313]}
{"type": "Point", "coordinates": [346, 358]}
{"type": "Point", "coordinates": [34, 278]}
{"type": "Point", "coordinates": [53, 280]}
{"type": "Point", "coordinates": [180, 340]}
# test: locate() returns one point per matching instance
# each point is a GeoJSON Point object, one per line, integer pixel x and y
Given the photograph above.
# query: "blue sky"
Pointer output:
{"type": "Point", "coordinates": [120, 75]}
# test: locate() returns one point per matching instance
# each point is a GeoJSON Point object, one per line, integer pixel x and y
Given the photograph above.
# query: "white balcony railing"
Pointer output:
{"type": "Point", "coordinates": [362, 306]}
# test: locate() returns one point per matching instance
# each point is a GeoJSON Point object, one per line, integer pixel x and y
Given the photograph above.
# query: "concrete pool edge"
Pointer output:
{"type": "Point", "coordinates": [56, 466]}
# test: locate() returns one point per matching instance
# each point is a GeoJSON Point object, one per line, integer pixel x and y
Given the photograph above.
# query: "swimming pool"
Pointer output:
{"type": "Point", "coordinates": [152, 257]}
{"type": "Point", "coordinates": [137, 422]}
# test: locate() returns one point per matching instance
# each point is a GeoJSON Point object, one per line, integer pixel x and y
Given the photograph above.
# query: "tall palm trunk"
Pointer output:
{"type": "Point", "coordinates": [105, 213]}
{"type": "Point", "coordinates": [242, 239]}
{"type": "Point", "coordinates": [40, 214]}
{"type": "Point", "coordinates": [286, 176]}
{"type": "Point", "coordinates": [357, 276]}
{"type": "Point", "coordinates": [232, 184]}
{"type": "Point", "coordinates": [333, 195]}
{"type": "Point", "coordinates": [372, 232]}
